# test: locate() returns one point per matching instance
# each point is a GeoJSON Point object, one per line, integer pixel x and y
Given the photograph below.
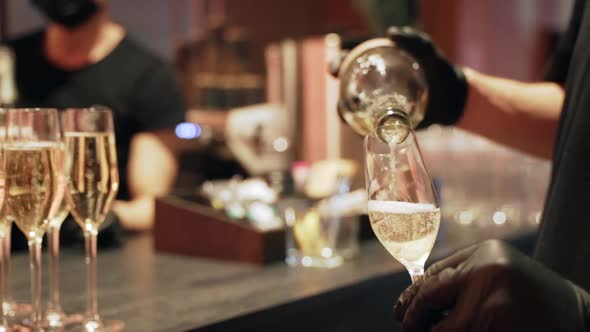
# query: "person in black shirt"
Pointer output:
{"type": "Point", "coordinates": [83, 58]}
{"type": "Point", "coordinates": [490, 286]}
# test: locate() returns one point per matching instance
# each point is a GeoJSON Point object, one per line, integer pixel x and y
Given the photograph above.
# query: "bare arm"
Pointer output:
{"type": "Point", "coordinates": [524, 116]}
{"type": "Point", "coordinates": [152, 169]}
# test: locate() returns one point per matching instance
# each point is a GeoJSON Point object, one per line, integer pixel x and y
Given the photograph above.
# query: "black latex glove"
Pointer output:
{"type": "Point", "coordinates": [446, 82]}
{"type": "Point", "coordinates": [492, 287]}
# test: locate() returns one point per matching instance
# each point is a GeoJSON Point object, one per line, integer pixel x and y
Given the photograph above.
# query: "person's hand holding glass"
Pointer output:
{"type": "Point", "coordinates": [403, 207]}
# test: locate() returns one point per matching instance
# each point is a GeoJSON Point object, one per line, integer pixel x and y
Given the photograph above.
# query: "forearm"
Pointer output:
{"type": "Point", "coordinates": [521, 115]}
{"type": "Point", "coordinates": [151, 173]}
{"type": "Point", "coordinates": [136, 215]}
{"type": "Point", "coordinates": [152, 166]}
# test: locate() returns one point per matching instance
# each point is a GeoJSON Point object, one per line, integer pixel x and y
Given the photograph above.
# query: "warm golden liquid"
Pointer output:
{"type": "Point", "coordinates": [93, 177]}
{"type": "Point", "coordinates": [366, 118]}
{"type": "Point", "coordinates": [32, 184]}
{"type": "Point", "coordinates": [4, 218]}
{"type": "Point", "coordinates": [407, 230]}
{"type": "Point", "coordinates": [361, 122]}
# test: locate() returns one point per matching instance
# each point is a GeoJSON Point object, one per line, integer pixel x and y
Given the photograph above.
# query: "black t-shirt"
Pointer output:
{"type": "Point", "coordinates": [564, 237]}
{"type": "Point", "coordinates": [135, 84]}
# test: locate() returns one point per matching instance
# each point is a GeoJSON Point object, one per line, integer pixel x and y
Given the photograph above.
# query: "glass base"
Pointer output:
{"type": "Point", "coordinates": [58, 321]}
{"type": "Point", "coordinates": [99, 326]}
{"type": "Point", "coordinates": [17, 310]}
{"type": "Point", "coordinates": [14, 328]}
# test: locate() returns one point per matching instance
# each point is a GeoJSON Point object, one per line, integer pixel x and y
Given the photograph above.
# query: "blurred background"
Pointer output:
{"type": "Point", "coordinates": [263, 148]}
{"type": "Point", "coordinates": [473, 33]}
{"type": "Point", "coordinates": [258, 97]}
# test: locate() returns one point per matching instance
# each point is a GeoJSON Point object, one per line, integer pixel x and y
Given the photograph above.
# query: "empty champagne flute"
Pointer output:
{"type": "Point", "coordinates": [92, 187]}
{"type": "Point", "coordinates": [33, 163]}
{"type": "Point", "coordinates": [403, 206]}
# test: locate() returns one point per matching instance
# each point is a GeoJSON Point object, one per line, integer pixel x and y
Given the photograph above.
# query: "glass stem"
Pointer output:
{"type": "Point", "coordinates": [7, 267]}
{"type": "Point", "coordinates": [35, 254]}
{"type": "Point", "coordinates": [4, 321]}
{"type": "Point", "coordinates": [53, 246]}
{"type": "Point", "coordinates": [416, 273]}
{"type": "Point", "coordinates": [90, 238]}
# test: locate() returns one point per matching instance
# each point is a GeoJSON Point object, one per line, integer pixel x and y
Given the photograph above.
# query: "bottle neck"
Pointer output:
{"type": "Point", "coordinates": [393, 126]}
{"type": "Point", "coordinates": [393, 115]}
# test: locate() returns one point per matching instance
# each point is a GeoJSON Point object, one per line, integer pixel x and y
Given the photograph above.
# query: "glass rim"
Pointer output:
{"type": "Point", "coordinates": [91, 109]}
{"type": "Point", "coordinates": [373, 134]}
{"type": "Point", "coordinates": [29, 109]}
{"type": "Point", "coordinates": [390, 125]}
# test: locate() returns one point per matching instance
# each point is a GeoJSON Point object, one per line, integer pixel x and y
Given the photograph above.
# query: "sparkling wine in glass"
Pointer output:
{"type": "Point", "coordinates": [92, 187]}
{"type": "Point", "coordinates": [15, 311]}
{"type": "Point", "coordinates": [33, 164]}
{"type": "Point", "coordinates": [403, 207]}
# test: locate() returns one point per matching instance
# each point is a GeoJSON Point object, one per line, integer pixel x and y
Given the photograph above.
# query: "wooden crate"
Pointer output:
{"type": "Point", "coordinates": [187, 227]}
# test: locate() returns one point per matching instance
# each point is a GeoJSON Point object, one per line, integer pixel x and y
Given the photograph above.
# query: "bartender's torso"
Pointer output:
{"type": "Point", "coordinates": [135, 84]}
{"type": "Point", "coordinates": [564, 239]}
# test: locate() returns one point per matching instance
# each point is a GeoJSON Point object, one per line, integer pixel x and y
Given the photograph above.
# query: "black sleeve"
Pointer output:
{"type": "Point", "coordinates": [157, 101]}
{"type": "Point", "coordinates": [560, 60]}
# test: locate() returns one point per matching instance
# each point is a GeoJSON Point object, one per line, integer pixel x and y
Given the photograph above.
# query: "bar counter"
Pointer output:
{"type": "Point", "coordinates": [159, 292]}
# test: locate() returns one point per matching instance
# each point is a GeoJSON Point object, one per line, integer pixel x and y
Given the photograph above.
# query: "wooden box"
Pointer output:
{"type": "Point", "coordinates": [187, 227]}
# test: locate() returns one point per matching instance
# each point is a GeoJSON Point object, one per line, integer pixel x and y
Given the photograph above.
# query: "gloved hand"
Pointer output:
{"type": "Point", "coordinates": [492, 287]}
{"type": "Point", "coordinates": [446, 82]}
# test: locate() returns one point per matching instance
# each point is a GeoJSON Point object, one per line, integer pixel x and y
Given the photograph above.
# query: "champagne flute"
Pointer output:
{"type": "Point", "coordinates": [33, 163]}
{"type": "Point", "coordinates": [10, 307]}
{"type": "Point", "coordinates": [55, 318]}
{"type": "Point", "coordinates": [403, 207]}
{"type": "Point", "coordinates": [92, 187]}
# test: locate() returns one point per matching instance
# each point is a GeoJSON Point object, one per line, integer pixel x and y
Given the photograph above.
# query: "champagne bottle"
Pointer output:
{"type": "Point", "coordinates": [382, 88]}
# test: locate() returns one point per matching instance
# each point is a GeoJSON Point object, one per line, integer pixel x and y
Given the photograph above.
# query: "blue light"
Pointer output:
{"type": "Point", "coordinates": [187, 130]}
